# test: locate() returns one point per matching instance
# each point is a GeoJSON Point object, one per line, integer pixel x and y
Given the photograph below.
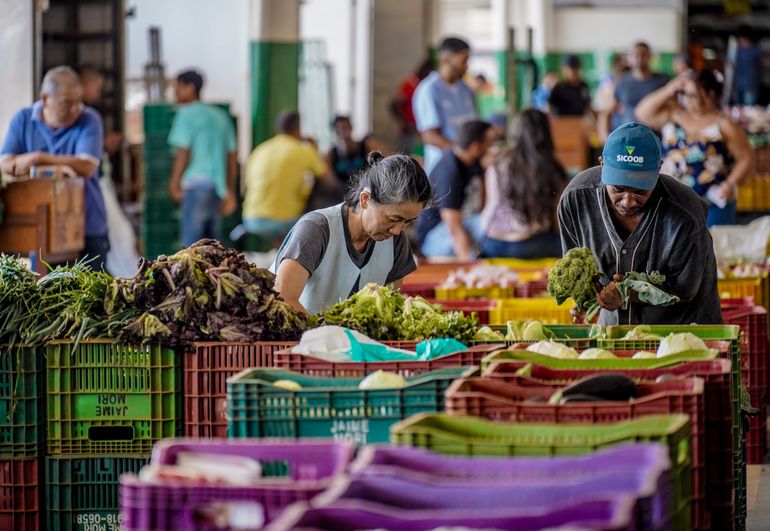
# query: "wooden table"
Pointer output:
{"type": "Point", "coordinates": [46, 216]}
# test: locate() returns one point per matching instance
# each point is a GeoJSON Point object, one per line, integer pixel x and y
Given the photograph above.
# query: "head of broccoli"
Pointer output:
{"type": "Point", "coordinates": [574, 276]}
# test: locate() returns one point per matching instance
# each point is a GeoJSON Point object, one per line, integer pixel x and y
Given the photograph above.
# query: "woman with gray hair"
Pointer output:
{"type": "Point", "coordinates": [331, 253]}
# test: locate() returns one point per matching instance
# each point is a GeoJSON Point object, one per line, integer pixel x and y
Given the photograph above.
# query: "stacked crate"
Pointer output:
{"type": "Point", "coordinates": [161, 216]}
{"type": "Point", "coordinates": [753, 321]}
{"type": "Point", "coordinates": [21, 437]}
{"type": "Point", "coordinates": [108, 404]}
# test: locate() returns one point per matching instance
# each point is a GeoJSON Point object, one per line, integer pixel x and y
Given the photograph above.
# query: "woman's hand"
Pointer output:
{"type": "Point", "coordinates": [609, 297]}
{"type": "Point", "coordinates": [728, 191]}
{"type": "Point", "coordinates": [677, 84]}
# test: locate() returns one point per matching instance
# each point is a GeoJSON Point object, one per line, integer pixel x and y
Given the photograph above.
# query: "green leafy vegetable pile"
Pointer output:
{"type": "Point", "coordinates": [19, 299]}
{"type": "Point", "coordinates": [382, 313]}
{"type": "Point", "coordinates": [206, 292]}
{"type": "Point", "coordinates": [577, 277]}
{"type": "Point", "coordinates": [67, 303]}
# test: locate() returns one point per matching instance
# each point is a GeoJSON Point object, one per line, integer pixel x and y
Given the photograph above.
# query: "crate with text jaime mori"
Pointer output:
{"type": "Point", "coordinates": [107, 397]}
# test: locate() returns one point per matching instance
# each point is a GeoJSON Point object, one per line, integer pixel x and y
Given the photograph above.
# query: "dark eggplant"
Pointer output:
{"type": "Point", "coordinates": [612, 387]}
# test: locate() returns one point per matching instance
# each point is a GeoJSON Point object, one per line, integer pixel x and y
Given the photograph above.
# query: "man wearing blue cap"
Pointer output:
{"type": "Point", "coordinates": [635, 219]}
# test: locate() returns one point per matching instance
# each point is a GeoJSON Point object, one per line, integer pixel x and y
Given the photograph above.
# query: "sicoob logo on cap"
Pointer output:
{"type": "Point", "coordinates": [630, 158]}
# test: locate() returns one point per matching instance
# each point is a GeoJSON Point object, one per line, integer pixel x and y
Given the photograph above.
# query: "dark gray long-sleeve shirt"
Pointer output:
{"type": "Point", "coordinates": [671, 238]}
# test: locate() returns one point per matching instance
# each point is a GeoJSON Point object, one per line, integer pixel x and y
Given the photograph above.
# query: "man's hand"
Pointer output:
{"type": "Point", "coordinates": [24, 163]}
{"type": "Point", "coordinates": [228, 204]}
{"type": "Point", "coordinates": [578, 315]}
{"type": "Point", "coordinates": [8, 165]}
{"type": "Point", "coordinates": [609, 297]}
{"type": "Point", "coordinates": [175, 191]}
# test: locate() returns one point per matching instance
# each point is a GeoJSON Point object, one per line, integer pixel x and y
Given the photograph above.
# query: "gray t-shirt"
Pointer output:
{"type": "Point", "coordinates": [671, 238]}
{"type": "Point", "coordinates": [308, 239]}
{"type": "Point", "coordinates": [629, 91]}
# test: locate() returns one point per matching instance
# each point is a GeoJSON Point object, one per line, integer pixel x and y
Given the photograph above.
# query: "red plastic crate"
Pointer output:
{"type": "Point", "coordinates": [20, 494]}
{"type": "Point", "coordinates": [754, 344]}
{"type": "Point", "coordinates": [479, 307]}
{"type": "Point", "coordinates": [426, 290]}
{"type": "Point", "coordinates": [718, 413]}
{"type": "Point", "coordinates": [312, 366]}
{"type": "Point", "coordinates": [206, 370]}
{"type": "Point", "coordinates": [738, 302]}
{"type": "Point", "coordinates": [532, 288]}
{"type": "Point", "coordinates": [494, 399]}
{"type": "Point", "coordinates": [756, 439]}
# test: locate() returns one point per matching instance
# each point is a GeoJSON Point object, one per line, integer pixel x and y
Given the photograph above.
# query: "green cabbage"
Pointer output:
{"type": "Point", "coordinates": [641, 333]}
{"type": "Point", "coordinates": [485, 333]}
{"type": "Point", "coordinates": [553, 349]}
{"type": "Point", "coordinates": [528, 331]}
{"type": "Point", "coordinates": [382, 380]}
{"type": "Point", "coordinates": [596, 354]}
{"type": "Point", "coordinates": [676, 343]}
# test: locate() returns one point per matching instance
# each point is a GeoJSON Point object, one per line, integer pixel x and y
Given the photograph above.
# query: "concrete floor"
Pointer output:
{"type": "Point", "coordinates": [758, 477]}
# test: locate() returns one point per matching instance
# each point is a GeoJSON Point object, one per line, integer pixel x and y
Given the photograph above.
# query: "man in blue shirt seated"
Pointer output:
{"type": "Point", "coordinates": [444, 229]}
{"type": "Point", "coordinates": [442, 101]}
{"type": "Point", "coordinates": [59, 130]}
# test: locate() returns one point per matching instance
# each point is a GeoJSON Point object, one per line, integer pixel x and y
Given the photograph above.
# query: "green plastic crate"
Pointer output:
{"type": "Point", "coordinates": [457, 435]}
{"type": "Point", "coordinates": [327, 407]}
{"type": "Point", "coordinates": [613, 337]}
{"type": "Point", "coordinates": [105, 397]}
{"type": "Point", "coordinates": [576, 336]}
{"type": "Point", "coordinates": [604, 364]}
{"type": "Point", "coordinates": [167, 216]}
{"type": "Point", "coordinates": [82, 492]}
{"type": "Point", "coordinates": [21, 402]}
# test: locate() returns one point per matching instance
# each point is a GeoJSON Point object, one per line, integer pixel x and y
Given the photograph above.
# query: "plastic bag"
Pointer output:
{"type": "Point", "coordinates": [433, 348]}
{"type": "Point", "coordinates": [338, 344]}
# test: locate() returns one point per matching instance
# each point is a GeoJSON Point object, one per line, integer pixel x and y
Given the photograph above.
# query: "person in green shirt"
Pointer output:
{"type": "Point", "coordinates": [205, 166]}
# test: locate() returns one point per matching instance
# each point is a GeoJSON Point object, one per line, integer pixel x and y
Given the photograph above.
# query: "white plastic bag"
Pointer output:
{"type": "Point", "coordinates": [332, 343]}
{"type": "Point", "coordinates": [122, 259]}
{"type": "Point", "coordinates": [742, 241]}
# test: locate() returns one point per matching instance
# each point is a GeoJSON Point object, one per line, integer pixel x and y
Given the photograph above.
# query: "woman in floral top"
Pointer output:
{"type": "Point", "coordinates": [702, 147]}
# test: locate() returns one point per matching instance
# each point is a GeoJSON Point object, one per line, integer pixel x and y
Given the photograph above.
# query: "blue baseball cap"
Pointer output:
{"type": "Point", "coordinates": [631, 157]}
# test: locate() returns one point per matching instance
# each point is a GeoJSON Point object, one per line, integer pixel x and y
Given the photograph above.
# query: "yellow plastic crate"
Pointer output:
{"type": "Point", "coordinates": [542, 309]}
{"type": "Point", "coordinates": [519, 264]}
{"type": "Point", "coordinates": [754, 195]}
{"type": "Point", "coordinates": [757, 287]}
{"type": "Point", "coordinates": [462, 293]}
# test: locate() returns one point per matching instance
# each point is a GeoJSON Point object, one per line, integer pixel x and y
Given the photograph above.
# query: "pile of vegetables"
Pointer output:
{"type": "Point", "coordinates": [577, 277]}
{"type": "Point", "coordinates": [206, 292]}
{"type": "Point", "coordinates": [741, 269]}
{"type": "Point", "coordinates": [481, 276]}
{"type": "Point", "coordinates": [67, 303]}
{"type": "Point", "coordinates": [669, 345]}
{"type": "Point", "coordinates": [516, 331]}
{"type": "Point", "coordinates": [203, 293]}
{"type": "Point", "coordinates": [19, 299]}
{"type": "Point", "coordinates": [382, 313]}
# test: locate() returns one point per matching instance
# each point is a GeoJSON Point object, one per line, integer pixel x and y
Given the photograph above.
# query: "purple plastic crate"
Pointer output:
{"type": "Point", "coordinates": [416, 462]}
{"type": "Point", "coordinates": [614, 514]}
{"type": "Point", "coordinates": [310, 465]}
{"type": "Point", "coordinates": [650, 486]}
